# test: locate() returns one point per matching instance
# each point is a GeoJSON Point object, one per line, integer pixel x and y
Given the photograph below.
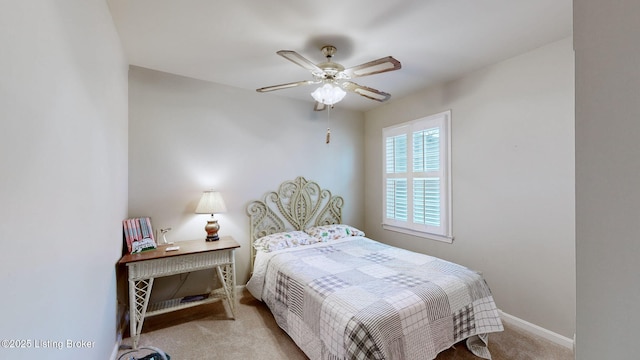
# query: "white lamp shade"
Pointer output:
{"type": "Point", "coordinates": [328, 94]}
{"type": "Point", "coordinates": [211, 202]}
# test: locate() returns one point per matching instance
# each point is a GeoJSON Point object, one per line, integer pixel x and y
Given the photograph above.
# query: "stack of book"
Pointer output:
{"type": "Point", "coordinates": [138, 234]}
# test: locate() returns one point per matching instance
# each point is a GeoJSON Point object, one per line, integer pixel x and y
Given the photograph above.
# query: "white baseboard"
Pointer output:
{"type": "Point", "coordinates": [536, 330]}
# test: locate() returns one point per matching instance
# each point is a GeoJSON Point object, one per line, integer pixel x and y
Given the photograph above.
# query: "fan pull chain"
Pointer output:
{"type": "Point", "coordinates": [328, 140]}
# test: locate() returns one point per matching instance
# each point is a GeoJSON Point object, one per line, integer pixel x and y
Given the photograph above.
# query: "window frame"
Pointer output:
{"type": "Point", "coordinates": [444, 231]}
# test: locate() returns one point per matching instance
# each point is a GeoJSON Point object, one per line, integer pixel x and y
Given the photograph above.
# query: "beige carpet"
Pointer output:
{"type": "Point", "coordinates": [206, 332]}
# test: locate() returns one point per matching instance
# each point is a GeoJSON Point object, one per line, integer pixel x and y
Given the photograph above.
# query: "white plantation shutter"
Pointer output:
{"type": "Point", "coordinates": [426, 201]}
{"type": "Point", "coordinates": [397, 199]}
{"type": "Point", "coordinates": [426, 150]}
{"type": "Point", "coordinates": [396, 163]}
{"type": "Point", "coordinates": [417, 187]}
{"type": "Point", "coordinates": [396, 158]}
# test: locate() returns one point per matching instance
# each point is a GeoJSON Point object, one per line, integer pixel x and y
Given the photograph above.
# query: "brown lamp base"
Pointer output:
{"type": "Point", "coordinates": [212, 228]}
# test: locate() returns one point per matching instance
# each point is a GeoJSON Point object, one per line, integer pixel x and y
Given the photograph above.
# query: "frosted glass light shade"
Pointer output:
{"type": "Point", "coordinates": [328, 94]}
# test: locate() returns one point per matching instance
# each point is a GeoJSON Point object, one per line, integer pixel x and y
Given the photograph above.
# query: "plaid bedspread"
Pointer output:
{"type": "Point", "coordinates": [361, 299]}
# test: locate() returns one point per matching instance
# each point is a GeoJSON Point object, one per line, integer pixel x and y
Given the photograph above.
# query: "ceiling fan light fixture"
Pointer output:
{"type": "Point", "coordinates": [328, 94]}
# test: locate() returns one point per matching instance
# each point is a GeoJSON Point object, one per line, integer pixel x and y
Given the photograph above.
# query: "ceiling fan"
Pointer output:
{"type": "Point", "coordinates": [335, 78]}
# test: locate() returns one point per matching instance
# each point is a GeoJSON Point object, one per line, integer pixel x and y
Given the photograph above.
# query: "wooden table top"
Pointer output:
{"type": "Point", "coordinates": [186, 247]}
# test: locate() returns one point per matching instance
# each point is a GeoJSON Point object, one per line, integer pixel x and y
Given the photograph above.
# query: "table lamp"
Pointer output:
{"type": "Point", "coordinates": [211, 202]}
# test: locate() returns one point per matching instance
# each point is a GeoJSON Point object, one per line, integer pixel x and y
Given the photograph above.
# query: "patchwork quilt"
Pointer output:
{"type": "Point", "coordinates": [361, 299]}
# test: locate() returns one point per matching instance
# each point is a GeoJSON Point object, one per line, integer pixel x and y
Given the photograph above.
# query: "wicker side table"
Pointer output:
{"type": "Point", "coordinates": [193, 255]}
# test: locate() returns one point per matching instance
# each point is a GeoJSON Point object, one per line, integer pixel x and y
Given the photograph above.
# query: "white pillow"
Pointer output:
{"type": "Point", "coordinates": [333, 232]}
{"type": "Point", "coordinates": [283, 240]}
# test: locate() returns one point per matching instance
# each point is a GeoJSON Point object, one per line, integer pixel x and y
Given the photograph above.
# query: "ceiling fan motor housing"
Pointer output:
{"type": "Point", "coordinates": [330, 68]}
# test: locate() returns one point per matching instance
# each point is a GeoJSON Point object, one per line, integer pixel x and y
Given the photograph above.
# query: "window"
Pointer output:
{"type": "Point", "coordinates": [417, 177]}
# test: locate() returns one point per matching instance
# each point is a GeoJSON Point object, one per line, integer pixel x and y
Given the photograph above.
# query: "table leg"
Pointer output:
{"type": "Point", "coordinates": [225, 275]}
{"type": "Point", "coordinates": [139, 293]}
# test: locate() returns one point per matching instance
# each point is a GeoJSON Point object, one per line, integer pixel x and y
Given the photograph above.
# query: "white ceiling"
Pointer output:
{"type": "Point", "coordinates": [234, 42]}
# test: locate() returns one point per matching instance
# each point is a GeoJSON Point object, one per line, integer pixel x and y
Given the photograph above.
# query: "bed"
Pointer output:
{"type": "Point", "coordinates": [341, 295]}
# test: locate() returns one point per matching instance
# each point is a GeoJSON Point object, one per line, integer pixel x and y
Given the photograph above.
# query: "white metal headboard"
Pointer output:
{"type": "Point", "coordinates": [296, 205]}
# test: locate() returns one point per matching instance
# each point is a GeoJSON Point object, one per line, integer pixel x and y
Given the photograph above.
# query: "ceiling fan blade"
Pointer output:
{"type": "Point", "coordinates": [374, 67]}
{"type": "Point", "coordinates": [285, 86]}
{"type": "Point", "coordinates": [319, 106]}
{"type": "Point", "coordinates": [369, 93]}
{"type": "Point", "coordinates": [300, 60]}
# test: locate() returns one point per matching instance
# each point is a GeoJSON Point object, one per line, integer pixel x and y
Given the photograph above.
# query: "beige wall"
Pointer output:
{"type": "Point", "coordinates": [187, 136]}
{"type": "Point", "coordinates": [607, 178]}
{"type": "Point", "coordinates": [513, 180]}
{"type": "Point", "coordinates": [63, 188]}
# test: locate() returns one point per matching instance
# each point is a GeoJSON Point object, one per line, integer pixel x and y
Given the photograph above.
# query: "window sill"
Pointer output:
{"type": "Point", "coordinates": [446, 239]}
